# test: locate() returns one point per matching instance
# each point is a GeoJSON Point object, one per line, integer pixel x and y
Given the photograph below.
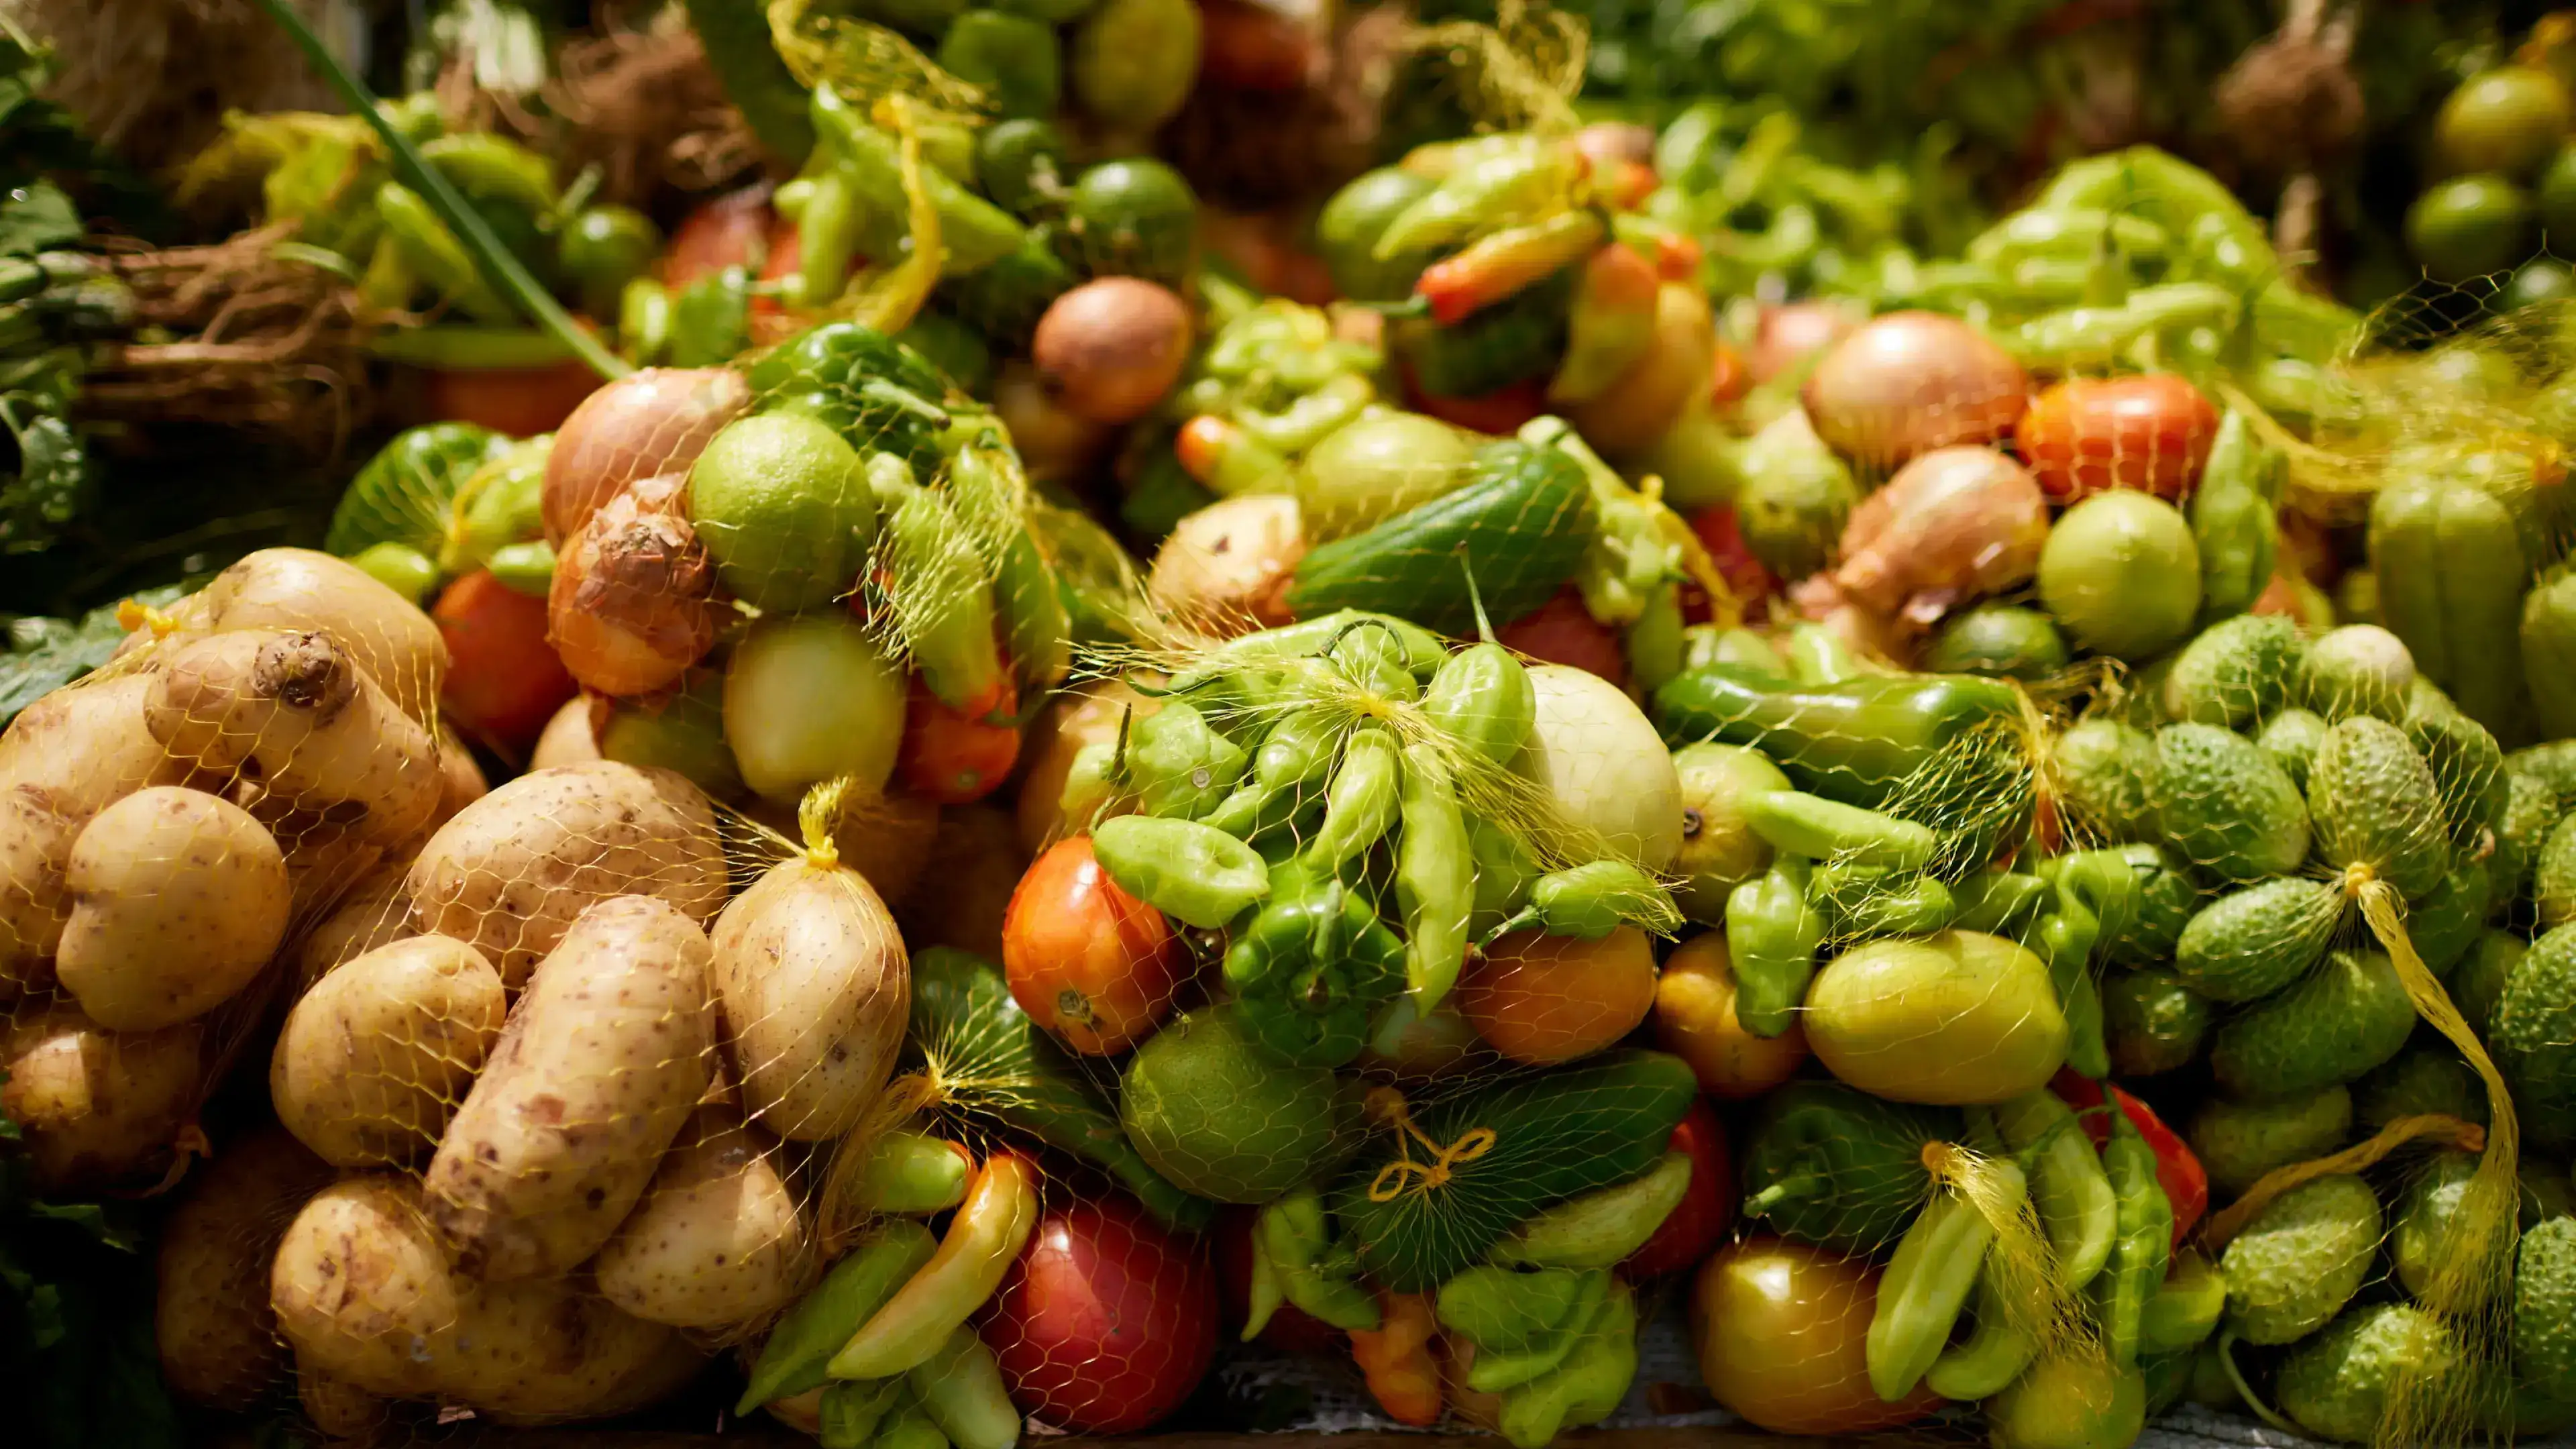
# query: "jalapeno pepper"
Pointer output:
{"type": "Point", "coordinates": [1513, 176]}
{"type": "Point", "coordinates": [1313, 967]}
{"type": "Point", "coordinates": [1822, 829]}
{"type": "Point", "coordinates": [1196, 875]}
{"type": "Point", "coordinates": [1772, 931]}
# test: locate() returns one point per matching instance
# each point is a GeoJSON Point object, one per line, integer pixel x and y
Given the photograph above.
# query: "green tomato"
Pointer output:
{"type": "Point", "coordinates": [1376, 467]}
{"type": "Point", "coordinates": [603, 249]}
{"type": "Point", "coordinates": [2469, 226]}
{"type": "Point", "coordinates": [1134, 218]}
{"type": "Point", "coordinates": [1350, 225]}
{"type": "Point", "coordinates": [2121, 572]}
{"type": "Point", "coordinates": [1012, 57]}
{"type": "Point", "coordinates": [1020, 164]}
{"type": "Point", "coordinates": [2542, 279]}
{"type": "Point", "coordinates": [2510, 120]}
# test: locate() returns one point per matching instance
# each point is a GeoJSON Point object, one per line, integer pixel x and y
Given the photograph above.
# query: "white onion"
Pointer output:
{"type": "Point", "coordinates": [1909, 382]}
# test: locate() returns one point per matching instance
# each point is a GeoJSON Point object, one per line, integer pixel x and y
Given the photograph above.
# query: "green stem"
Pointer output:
{"type": "Point", "coordinates": [498, 265]}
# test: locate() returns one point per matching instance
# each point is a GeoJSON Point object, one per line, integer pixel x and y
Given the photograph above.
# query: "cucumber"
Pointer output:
{"type": "Point", "coordinates": [1522, 522]}
{"type": "Point", "coordinates": [2238, 671]}
{"type": "Point", "coordinates": [2375, 803]}
{"type": "Point", "coordinates": [2451, 570]}
{"type": "Point", "coordinates": [2224, 806]}
{"type": "Point", "coordinates": [2344, 1018]}
{"type": "Point", "coordinates": [1556, 1134]}
{"type": "Point", "coordinates": [2255, 941]}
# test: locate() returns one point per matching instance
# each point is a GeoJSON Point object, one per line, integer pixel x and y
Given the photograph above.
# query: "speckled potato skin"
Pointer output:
{"type": "Point", "coordinates": [545, 1350]}
{"type": "Point", "coordinates": [65, 758]}
{"type": "Point", "coordinates": [302, 588]}
{"type": "Point", "coordinates": [602, 1060]}
{"type": "Point", "coordinates": [95, 1106]}
{"type": "Point", "coordinates": [298, 715]}
{"type": "Point", "coordinates": [513, 869]}
{"type": "Point", "coordinates": [211, 1321]}
{"type": "Point", "coordinates": [361, 1291]}
{"type": "Point", "coordinates": [814, 985]}
{"type": "Point", "coordinates": [374, 1059]}
{"type": "Point", "coordinates": [178, 899]}
{"type": "Point", "coordinates": [717, 1240]}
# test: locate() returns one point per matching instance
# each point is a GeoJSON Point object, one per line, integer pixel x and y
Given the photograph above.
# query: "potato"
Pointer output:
{"type": "Point", "coordinates": [1227, 567]}
{"type": "Point", "coordinates": [598, 1067]}
{"type": "Point", "coordinates": [338, 1409]}
{"type": "Point", "coordinates": [813, 986]}
{"type": "Point", "coordinates": [716, 1241]}
{"type": "Point", "coordinates": [178, 899]}
{"type": "Point", "coordinates": [975, 863]}
{"type": "Point", "coordinates": [376, 1056]}
{"type": "Point", "coordinates": [543, 1351]}
{"type": "Point", "coordinates": [296, 713]}
{"type": "Point", "coordinates": [96, 1106]}
{"type": "Point", "coordinates": [65, 758]}
{"type": "Point", "coordinates": [300, 589]}
{"type": "Point", "coordinates": [460, 776]}
{"type": "Point", "coordinates": [361, 1291]}
{"type": "Point", "coordinates": [572, 736]}
{"type": "Point", "coordinates": [513, 869]}
{"type": "Point", "coordinates": [217, 1338]}
{"type": "Point", "coordinates": [374, 912]}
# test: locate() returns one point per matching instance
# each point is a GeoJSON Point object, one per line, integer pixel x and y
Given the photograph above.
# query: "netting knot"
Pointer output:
{"type": "Point", "coordinates": [133, 614]}
{"type": "Point", "coordinates": [1398, 1177]}
{"type": "Point", "coordinates": [2355, 879]}
{"type": "Point", "coordinates": [814, 816]}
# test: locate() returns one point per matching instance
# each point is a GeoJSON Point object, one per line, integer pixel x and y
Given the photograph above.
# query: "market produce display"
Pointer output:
{"type": "Point", "coordinates": [961, 799]}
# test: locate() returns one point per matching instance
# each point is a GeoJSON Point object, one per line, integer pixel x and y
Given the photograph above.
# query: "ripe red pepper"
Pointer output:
{"type": "Point", "coordinates": [2178, 1172]}
{"type": "Point", "coordinates": [1696, 1223]}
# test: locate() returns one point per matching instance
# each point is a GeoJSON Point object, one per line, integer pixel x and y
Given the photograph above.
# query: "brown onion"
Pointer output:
{"type": "Point", "coordinates": [1110, 349]}
{"type": "Point", "coordinates": [1792, 331]}
{"type": "Point", "coordinates": [641, 426]}
{"type": "Point", "coordinates": [633, 602]}
{"type": "Point", "coordinates": [1953, 524]}
{"type": "Point", "coordinates": [1910, 382]}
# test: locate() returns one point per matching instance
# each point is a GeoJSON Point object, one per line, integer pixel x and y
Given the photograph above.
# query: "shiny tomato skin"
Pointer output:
{"type": "Point", "coordinates": [1291, 1328]}
{"type": "Point", "coordinates": [1106, 1323]}
{"type": "Point", "coordinates": [949, 755]}
{"type": "Point", "coordinates": [1782, 1331]}
{"type": "Point", "coordinates": [730, 231]}
{"type": "Point", "coordinates": [1722, 535]}
{"type": "Point", "coordinates": [1561, 631]}
{"type": "Point", "coordinates": [1092, 964]}
{"type": "Point", "coordinates": [504, 681]}
{"type": "Point", "coordinates": [2087, 435]}
{"type": "Point", "coordinates": [1699, 1221]}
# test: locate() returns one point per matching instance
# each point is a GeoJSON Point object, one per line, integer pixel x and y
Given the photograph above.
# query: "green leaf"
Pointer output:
{"type": "Point", "coordinates": [37, 217]}
{"type": "Point", "coordinates": [47, 654]}
{"type": "Point", "coordinates": [53, 476]}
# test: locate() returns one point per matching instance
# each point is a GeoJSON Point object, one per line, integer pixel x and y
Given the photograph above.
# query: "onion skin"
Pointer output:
{"type": "Point", "coordinates": [1909, 382]}
{"type": "Point", "coordinates": [643, 425]}
{"type": "Point", "coordinates": [1111, 349]}
{"type": "Point", "coordinates": [1791, 332]}
{"type": "Point", "coordinates": [1952, 524]}
{"type": "Point", "coordinates": [633, 602]}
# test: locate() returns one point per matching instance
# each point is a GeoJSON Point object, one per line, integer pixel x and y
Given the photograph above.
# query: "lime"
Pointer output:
{"type": "Point", "coordinates": [2511, 119]}
{"type": "Point", "coordinates": [1020, 164]}
{"type": "Point", "coordinates": [779, 501]}
{"type": "Point", "coordinates": [1349, 226]}
{"type": "Point", "coordinates": [1221, 1117]}
{"type": "Point", "coordinates": [2469, 226]}
{"type": "Point", "coordinates": [1134, 61]}
{"type": "Point", "coordinates": [1133, 218]}
{"type": "Point", "coordinates": [2121, 573]}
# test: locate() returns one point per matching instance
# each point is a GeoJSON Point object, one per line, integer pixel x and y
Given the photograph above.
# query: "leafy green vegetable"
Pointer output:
{"type": "Point", "coordinates": [46, 654]}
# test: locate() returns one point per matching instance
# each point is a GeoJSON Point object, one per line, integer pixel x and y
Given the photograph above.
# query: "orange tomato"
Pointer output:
{"type": "Point", "coordinates": [504, 681]}
{"type": "Point", "coordinates": [519, 401]}
{"type": "Point", "coordinates": [2090, 434]}
{"type": "Point", "coordinates": [950, 755]}
{"type": "Point", "coordinates": [1782, 1331]}
{"type": "Point", "coordinates": [1087, 961]}
{"type": "Point", "coordinates": [1541, 999]}
{"type": "Point", "coordinates": [1695, 1020]}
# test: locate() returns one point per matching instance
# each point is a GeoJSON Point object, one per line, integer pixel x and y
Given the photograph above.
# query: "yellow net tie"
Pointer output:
{"type": "Point", "coordinates": [2433, 1127]}
{"type": "Point", "coordinates": [1400, 1176]}
{"type": "Point", "coordinates": [133, 614]}
{"type": "Point", "coordinates": [814, 817]}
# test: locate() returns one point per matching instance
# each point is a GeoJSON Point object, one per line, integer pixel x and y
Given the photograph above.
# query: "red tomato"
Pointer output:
{"type": "Point", "coordinates": [519, 401]}
{"type": "Point", "coordinates": [1561, 632]}
{"type": "Point", "coordinates": [1086, 960]}
{"type": "Point", "coordinates": [2178, 1171]}
{"type": "Point", "coordinates": [2090, 434]}
{"type": "Point", "coordinates": [786, 255]}
{"type": "Point", "coordinates": [1700, 1219]}
{"type": "Point", "coordinates": [949, 755]}
{"type": "Point", "coordinates": [1291, 1328]}
{"type": "Point", "coordinates": [504, 680]}
{"type": "Point", "coordinates": [1253, 46]}
{"type": "Point", "coordinates": [1723, 537]}
{"type": "Point", "coordinates": [1499, 413]}
{"type": "Point", "coordinates": [1107, 1322]}
{"type": "Point", "coordinates": [729, 231]}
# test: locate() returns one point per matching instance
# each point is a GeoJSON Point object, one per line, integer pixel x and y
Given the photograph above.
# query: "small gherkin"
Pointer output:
{"type": "Point", "coordinates": [2375, 803]}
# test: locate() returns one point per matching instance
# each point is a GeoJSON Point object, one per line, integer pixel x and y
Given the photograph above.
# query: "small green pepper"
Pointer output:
{"type": "Point", "coordinates": [1992, 1355]}
{"type": "Point", "coordinates": [1772, 932]}
{"type": "Point", "coordinates": [944, 600]}
{"type": "Point", "coordinates": [1591, 900]}
{"type": "Point", "coordinates": [400, 567]}
{"type": "Point", "coordinates": [827, 240]}
{"type": "Point", "coordinates": [1927, 1283]}
{"type": "Point", "coordinates": [1363, 800]}
{"type": "Point", "coordinates": [1863, 902]}
{"type": "Point", "coordinates": [1435, 878]}
{"type": "Point", "coordinates": [1495, 188]}
{"type": "Point", "coordinates": [1288, 770]}
{"type": "Point", "coordinates": [644, 321]}
{"type": "Point", "coordinates": [1587, 1386]}
{"type": "Point", "coordinates": [2143, 1247]}
{"type": "Point", "coordinates": [1177, 763]}
{"type": "Point", "coordinates": [1188, 871]}
{"type": "Point", "coordinates": [2186, 1307]}
{"type": "Point", "coordinates": [711, 319]}
{"type": "Point", "coordinates": [1828, 830]}
{"type": "Point", "coordinates": [960, 1388]}
{"type": "Point", "coordinates": [432, 253]}
{"type": "Point", "coordinates": [2067, 1185]}
{"type": "Point", "coordinates": [1482, 695]}
{"type": "Point", "coordinates": [1601, 1228]}
{"type": "Point", "coordinates": [913, 1173]}
{"type": "Point", "coordinates": [908, 1425]}
{"type": "Point", "coordinates": [853, 1408]}
{"type": "Point", "coordinates": [1503, 1311]}
{"type": "Point", "coordinates": [1373, 659]}
{"type": "Point", "coordinates": [973, 232]}
{"type": "Point", "coordinates": [792, 1358]}
{"type": "Point", "coordinates": [1295, 1261]}
{"type": "Point", "coordinates": [1313, 967]}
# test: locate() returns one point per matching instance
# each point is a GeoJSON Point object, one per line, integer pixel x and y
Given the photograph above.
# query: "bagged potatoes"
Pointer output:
{"type": "Point", "coordinates": [513, 869]}
{"type": "Point", "coordinates": [717, 1240]}
{"type": "Point", "coordinates": [379, 1052]}
{"type": "Point", "coordinates": [544, 1350]}
{"type": "Point", "coordinates": [95, 1106]}
{"type": "Point", "coordinates": [211, 1321]}
{"type": "Point", "coordinates": [302, 589]}
{"type": "Point", "coordinates": [178, 899]}
{"type": "Point", "coordinates": [602, 1060]}
{"type": "Point", "coordinates": [814, 987]}
{"type": "Point", "coordinates": [361, 1290]}
{"type": "Point", "coordinates": [375, 911]}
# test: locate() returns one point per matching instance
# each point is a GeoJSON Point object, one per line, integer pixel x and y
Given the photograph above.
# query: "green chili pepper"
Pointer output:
{"type": "Point", "coordinates": [1307, 638]}
{"type": "Point", "coordinates": [947, 604]}
{"type": "Point", "coordinates": [2067, 1185]}
{"type": "Point", "coordinates": [973, 232]}
{"type": "Point", "coordinates": [1296, 1261]}
{"type": "Point", "coordinates": [1591, 900]}
{"type": "Point", "coordinates": [2233, 520]}
{"type": "Point", "coordinates": [489, 168]}
{"type": "Point", "coordinates": [711, 319]}
{"type": "Point", "coordinates": [1818, 655]}
{"type": "Point", "coordinates": [527, 568]}
{"type": "Point", "coordinates": [1363, 800]}
{"type": "Point", "coordinates": [1822, 829]}
{"type": "Point", "coordinates": [1587, 1386]}
{"type": "Point", "coordinates": [827, 239]}
{"type": "Point", "coordinates": [907, 1425]}
{"type": "Point", "coordinates": [1504, 870]}
{"type": "Point", "coordinates": [2186, 1307]}
{"type": "Point", "coordinates": [2068, 233]}
{"type": "Point", "coordinates": [792, 1358]}
{"type": "Point", "coordinates": [388, 281]}
{"type": "Point", "coordinates": [1373, 659]}
{"type": "Point", "coordinates": [1854, 741]}
{"type": "Point", "coordinates": [1706, 644]}
{"type": "Point", "coordinates": [1992, 1355]}
{"type": "Point", "coordinates": [1860, 902]}
{"type": "Point", "coordinates": [1311, 417]}
{"type": "Point", "coordinates": [1196, 875]}
{"type": "Point", "coordinates": [398, 566]}
{"type": "Point", "coordinates": [2086, 334]}
{"type": "Point", "coordinates": [1288, 769]}
{"type": "Point", "coordinates": [1497, 187]}
{"type": "Point", "coordinates": [1772, 931]}
{"type": "Point", "coordinates": [1601, 1228]}
{"type": "Point", "coordinates": [1482, 695]}
{"type": "Point", "coordinates": [1998, 902]}
{"type": "Point", "coordinates": [644, 320]}
{"type": "Point", "coordinates": [960, 1388]}
{"type": "Point", "coordinates": [1927, 1284]}
{"type": "Point", "coordinates": [1179, 765]}
{"type": "Point", "coordinates": [852, 1409]}
{"type": "Point", "coordinates": [912, 1173]}
{"type": "Point", "coordinates": [433, 254]}
{"type": "Point", "coordinates": [2144, 1244]}
{"type": "Point", "coordinates": [1313, 967]}
{"type": "Point", "coordinates": [1502, 1311]}
{"type": "Point", "coordinates": [1435, 878]}
{"type": "Point", "coordinates": [1654, 639]}
{"type": "Point", "coordinates": [466, 347]}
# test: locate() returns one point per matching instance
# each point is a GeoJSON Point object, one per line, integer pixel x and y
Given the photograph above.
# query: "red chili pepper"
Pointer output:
{"type": "Point", "coordinates": [1692, 1230]}
{"type": "Point", "coordinates": [2178, 1172]}
{"type": "Point", "coordinates": [1499, 265]}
